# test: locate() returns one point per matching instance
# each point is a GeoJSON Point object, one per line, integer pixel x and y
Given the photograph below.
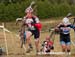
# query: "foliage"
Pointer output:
{"type": "Point", "coordinates": [9, 11]}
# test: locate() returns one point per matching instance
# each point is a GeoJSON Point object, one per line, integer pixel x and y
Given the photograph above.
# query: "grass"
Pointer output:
{"type": "Point", "coordinates": [14, 42]}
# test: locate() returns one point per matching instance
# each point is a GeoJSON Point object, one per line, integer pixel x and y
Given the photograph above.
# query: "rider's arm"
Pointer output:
{"type": "Point", "coordinates": [37, 20]}
{"type": "Point", "coordinates": [57, 28]}
{"type": "Point", "coordinates": [72, 26]}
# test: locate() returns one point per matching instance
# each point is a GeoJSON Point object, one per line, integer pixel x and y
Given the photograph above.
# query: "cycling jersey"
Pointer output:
{"type": "Point", "coordinates": [33, 23]}
{"type": "Point", "coordinates": [65, 29]}
{"type": "Point", "coordinates": [34, 26]}
{"type": "Point", "coordinates": [65, 33]}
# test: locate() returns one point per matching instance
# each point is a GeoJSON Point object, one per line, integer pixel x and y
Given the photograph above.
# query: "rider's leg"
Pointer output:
{"type": "Point", "coordinates": [63, 46]}
{"type": "Point", "coordinates": [68, 43]}
{"type": "Point", "coordinates": [37, 44]}
{"type": "Point", "coordinates": [68, 46]}
{"type": "Point", "coordinates": [28, 36]}
{"type": "Point", "coordinates": [36, 36]}
{"type": "Point", "coordinates": [62, 42]}
{"type": "Point", "coordinates": [30, 45]}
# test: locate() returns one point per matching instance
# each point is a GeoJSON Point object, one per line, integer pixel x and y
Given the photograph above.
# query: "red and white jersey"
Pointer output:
{"type": "Point", "coordinates": [32, 23]}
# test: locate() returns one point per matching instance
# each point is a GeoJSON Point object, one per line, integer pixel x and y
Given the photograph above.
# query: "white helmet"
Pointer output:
{"type": "Point", "coordinates": [65, 21]}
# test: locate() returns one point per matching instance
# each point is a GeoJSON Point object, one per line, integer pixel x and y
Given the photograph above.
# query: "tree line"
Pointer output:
{"type": "Point", "coordinates": [12, 9]}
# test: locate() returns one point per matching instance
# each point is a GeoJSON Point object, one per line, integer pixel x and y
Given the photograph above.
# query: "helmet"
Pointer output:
{"type": "Point", "coordinates": [29, 10]}
{"type": "Point", "coordinates": [65, 21]}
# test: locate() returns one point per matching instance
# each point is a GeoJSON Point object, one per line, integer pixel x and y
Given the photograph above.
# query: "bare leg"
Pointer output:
{"type": "Point", "coordinates": [64, 48]}
{"type": "Point", "coordinates": [37, 44]}
{"type": "Point", "coordinates": [28, 36]}
{"type": "Point", "coordinates": [68, 48]}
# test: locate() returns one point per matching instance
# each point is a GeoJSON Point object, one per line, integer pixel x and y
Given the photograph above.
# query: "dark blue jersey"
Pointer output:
{"type": "Point", "coordinates": [65, 29]}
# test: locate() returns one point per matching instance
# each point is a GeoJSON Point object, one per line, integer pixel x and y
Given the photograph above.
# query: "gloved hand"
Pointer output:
{"type": "Point", "coordinates": [56, 29]}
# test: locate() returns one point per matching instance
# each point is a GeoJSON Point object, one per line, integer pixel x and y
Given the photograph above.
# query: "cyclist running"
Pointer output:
{"type": "Point", "coordinates": [34, 26]}
{"type": "Point", "coordinates": [64, 29]}
{"type": "Point", "coordinates": [28, 12]}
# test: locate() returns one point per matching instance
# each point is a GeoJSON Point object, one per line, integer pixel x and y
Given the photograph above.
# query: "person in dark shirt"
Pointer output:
{"type": "Point", "coordinates": [64, 30]}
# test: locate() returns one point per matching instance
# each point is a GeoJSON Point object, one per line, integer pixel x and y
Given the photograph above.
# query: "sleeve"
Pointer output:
{"type": "Point", "coordinates": [72, 26]}
{"type": "Point", "coordinates": [37, 20]}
